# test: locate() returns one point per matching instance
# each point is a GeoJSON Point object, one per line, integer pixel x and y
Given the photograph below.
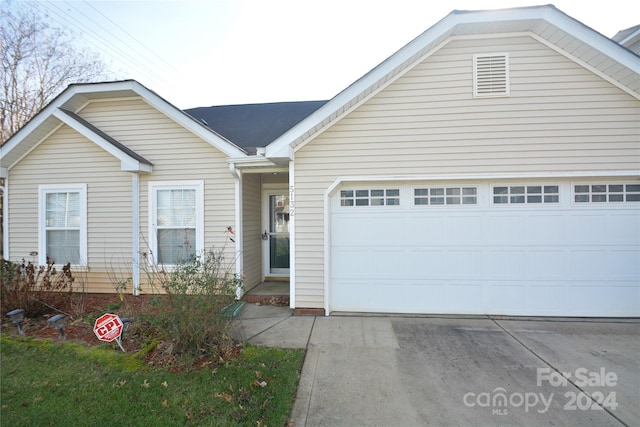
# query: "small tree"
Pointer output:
{"type": "Point", "coordinates": [38, 61]}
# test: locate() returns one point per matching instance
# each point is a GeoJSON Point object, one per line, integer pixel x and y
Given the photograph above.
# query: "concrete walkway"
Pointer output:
{"type": "Point", "coordinates": [422, 371]}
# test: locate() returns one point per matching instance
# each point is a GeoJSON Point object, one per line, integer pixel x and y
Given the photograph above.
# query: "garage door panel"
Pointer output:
{"type": "Point", "coordinates": [561, 260]}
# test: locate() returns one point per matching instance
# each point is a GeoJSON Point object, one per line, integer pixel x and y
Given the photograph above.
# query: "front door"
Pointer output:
{"type": "Point", "coordinates": [277, 233]}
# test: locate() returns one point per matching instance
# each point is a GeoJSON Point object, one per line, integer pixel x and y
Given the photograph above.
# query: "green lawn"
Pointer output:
{"type": "Point", "coordinates": [58, 384]}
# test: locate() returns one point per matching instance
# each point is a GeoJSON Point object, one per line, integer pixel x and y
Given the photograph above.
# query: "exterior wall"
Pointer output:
{"type": "Point", "coordinates": [558, 118]}
{"type": "Point", "coordinates": [252, 243]}
{"type": "Point", "coordinates": [67, 157]}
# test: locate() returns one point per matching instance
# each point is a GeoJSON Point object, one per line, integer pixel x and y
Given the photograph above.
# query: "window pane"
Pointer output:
{"type": "Point", "coordinates": [176, 245]}
{"type": "Point", "coordinates": [517, 199]}
{"type": "Point", "coordinates": [437, 200]}
{"type": "Point", "coordinates": [633, 197]}
{"type": "Point", "coordinates": [616, 198]}
{"type": "Point", "coordinates": [63, 210]}
{"type": "Point", "coordinates": [500, 199]}
{"type": "Point", "coordinates": [633, 188]}
{"type": "Point", "coordinates": [393, 193]}
{"type": "Point", "coordinates": [599, 198]}
{"type": "Point", "coordinates": [421, 192]}
{"type": "Point", "coordinates": [421, 201]}
{"type": "Point", "coordinates": [176, 208]}
{"type": "Point", "coordinates": [377, 193]}
{"type": "Point", "coordinates": [554, 199]}
{"type": "Point", "coordinates": [582, 198]}
{"type": "Point", "coordinates": [362, 202]}
{"type": "Point", "coordinates": [63, 246]}
{"type": "Point", "coordinates": [582, 189]}
{"type": "Point", "coordinates": [362, 193]}
{"type": "Point", "coordinates": [517, 190]}
{"type": "Point", "coordinates": [453, 191]}
{"type": "Point", "coordinates": [393, 202]}
{"type": "Point", "coordinates": [437, 191]}
{"type": "Point", "coordinates": [550, 189]}
{"type": "Point", "coordinates": [535, 190]}
{"type": "Point", "coordinates": [598, 189]}
{"type": "Point", "coordinates": [470, 200]}
{"type": "Point", "coordinates": [616, 188]}
{"type": "Point", "coordinates": [377, 202]}
{"type": "Point", "coordinates": [346, 193]}
{"type": "Point", "coordinates": [500, 190]}
{"type": "Point", "coordinates": [469, 191]}
{"type": "Point", "coordinates": [534, 199]}
{"type": "Point", "coordinates": [346, 202]}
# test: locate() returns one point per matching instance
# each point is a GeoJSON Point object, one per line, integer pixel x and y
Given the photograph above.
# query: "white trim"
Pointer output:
{"type": "Point", "coordinates": [5, 218]}
{"type": "Point", "coordinates": [292, 236]}
{"type": "Point", "coordinates": [153, 188]}
{"type": "Point", "coordinates": [43, 190]}
{"type": "Point", "coordinates": [127, 163]}
{"type": "Point", "coordinates": [528, 18]}
{"type": "Point", "coordinates": [239, 229]}
{"type": "Point", "coordinates": [135, 230]}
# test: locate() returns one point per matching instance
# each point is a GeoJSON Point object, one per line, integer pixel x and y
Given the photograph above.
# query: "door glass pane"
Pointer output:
{"type": "Point", "coordinates": [279, 233]}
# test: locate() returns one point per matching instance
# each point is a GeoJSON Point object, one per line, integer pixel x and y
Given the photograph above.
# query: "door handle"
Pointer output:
{"type": "Point", "coordinates": [265, 235]}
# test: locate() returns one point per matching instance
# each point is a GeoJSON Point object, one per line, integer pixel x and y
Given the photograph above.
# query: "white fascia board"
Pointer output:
{"type": "Point", "coordinates": [127, 163]}
{"type": "Point", "coordinates": [279, 147]}
{"type": "Point", "coordinates": [4, 172]}
{"type": "Point", "coordinates": [189, 123]}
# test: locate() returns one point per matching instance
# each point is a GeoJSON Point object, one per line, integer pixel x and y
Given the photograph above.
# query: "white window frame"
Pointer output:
{"type": "Point", "coordinates": [476, 86]}
{"type": "Point", "coordinates": [45, 189]}
{"type": "Point", "coordinates": [608, 202]}
{"type": "Point", "coordinates": [198, 186]}
{"type": "Point", "coordinates": [369, 197]}
{"type": "Point", "coordinates": [445, 189]}
{"type": "Point", "coordinates": [526, 194]}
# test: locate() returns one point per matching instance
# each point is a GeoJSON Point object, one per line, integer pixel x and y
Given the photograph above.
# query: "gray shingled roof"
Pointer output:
{"type": "Point", "coordinates": [254, 125]}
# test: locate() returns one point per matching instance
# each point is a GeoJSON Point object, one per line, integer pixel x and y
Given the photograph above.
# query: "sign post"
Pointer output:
{"type": "Point", "coordinates": [108, 328]}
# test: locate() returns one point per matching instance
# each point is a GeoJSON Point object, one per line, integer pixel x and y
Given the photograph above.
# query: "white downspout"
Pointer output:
{"type": "Point", "coordinates": [135, 229]}
{"type": "Point", "coordinates": [239, 229]}
{"type": "Point", "coordinates": [292, 235]}
{"type": "Point", "coordinates": [4, 174]}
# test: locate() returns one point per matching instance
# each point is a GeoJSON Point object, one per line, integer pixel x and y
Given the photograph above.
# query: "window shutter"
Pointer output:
{"type": "Point", "coordinates": [491, 75]}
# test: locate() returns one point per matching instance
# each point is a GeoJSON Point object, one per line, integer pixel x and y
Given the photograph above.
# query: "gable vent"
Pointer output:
{"type": "Point", "coordinates": [491, 75]}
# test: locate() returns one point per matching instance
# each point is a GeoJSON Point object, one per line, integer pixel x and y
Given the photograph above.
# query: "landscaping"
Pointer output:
{"type": "Point", "coordinates": [176, 362]}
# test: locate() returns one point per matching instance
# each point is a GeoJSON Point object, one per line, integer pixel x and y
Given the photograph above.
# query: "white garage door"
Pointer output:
{"type": "Point", "coordinates": [553, 248]}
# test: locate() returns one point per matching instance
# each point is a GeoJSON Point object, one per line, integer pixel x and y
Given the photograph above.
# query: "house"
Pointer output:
{"type": "Point", "coordinates": [490, 166]}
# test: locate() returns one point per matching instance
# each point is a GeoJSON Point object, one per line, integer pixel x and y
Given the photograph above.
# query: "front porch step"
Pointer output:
{"type": "Point", "coordinates": [269, 293]}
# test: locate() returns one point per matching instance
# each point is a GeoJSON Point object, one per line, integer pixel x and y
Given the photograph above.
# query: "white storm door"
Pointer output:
{"type": "Point", "coordinates": [276, 232]}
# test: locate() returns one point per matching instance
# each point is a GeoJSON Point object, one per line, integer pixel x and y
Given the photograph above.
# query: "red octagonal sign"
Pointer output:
{"type": "Point", "coordinates": [108, 327]}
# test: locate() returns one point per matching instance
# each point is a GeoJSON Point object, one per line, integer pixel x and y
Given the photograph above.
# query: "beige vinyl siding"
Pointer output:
{"type": "Point", "coordinates": [69, 158]}
{"type": "Point", "coordinates": [177, 155]}
{"type": "Point", "coordinates": [251, 221]}
{"type": "Point", "coordinates": [558, 118]}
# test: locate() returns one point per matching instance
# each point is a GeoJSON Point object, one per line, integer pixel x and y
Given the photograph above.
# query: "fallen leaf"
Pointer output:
{"type": "Point", "coordinates": [258, 374]}
{"type": "Point", "coordinates": [145, 384]}
{"type": "Point", "coordinates": [165, 403]}
{"type": "Point", "coordinates": [225, 396]}
{"type": "Point", "coordinates": [164, 384]}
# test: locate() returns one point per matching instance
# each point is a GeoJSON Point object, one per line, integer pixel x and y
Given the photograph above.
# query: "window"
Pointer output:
{"type": "Point", "coordinates": [370, 197]}
{"type": "Point", "coordinates": [176, 221]}
{"type": "Point", "coordinates": [491, 75]}
{"type": "Point", "coordinates": [606, 193]}
{"type": "Point", "coordinates": [62, 218]}
{"type": "Point", "coordinates": [526, 194]}
{"type": "Point", "coordinates": [440, 196]}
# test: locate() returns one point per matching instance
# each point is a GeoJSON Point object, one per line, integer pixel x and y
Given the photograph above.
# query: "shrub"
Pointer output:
{"type": "Point", "coordinates": [191, 314]}
{"type": "Point", "coordinates": [37, 290]}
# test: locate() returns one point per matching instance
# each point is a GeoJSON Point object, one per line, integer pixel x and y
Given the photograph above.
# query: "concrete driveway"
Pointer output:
{"type": "Point", "coordinates": [441, 371]}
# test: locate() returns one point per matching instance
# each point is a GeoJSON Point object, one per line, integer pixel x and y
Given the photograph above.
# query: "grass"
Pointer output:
{"type": "Point", "coordinates": [61, 384]}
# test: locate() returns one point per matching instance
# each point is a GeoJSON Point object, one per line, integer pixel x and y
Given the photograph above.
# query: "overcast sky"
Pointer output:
{"type": "Point", "coordinates": [216, 52]}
